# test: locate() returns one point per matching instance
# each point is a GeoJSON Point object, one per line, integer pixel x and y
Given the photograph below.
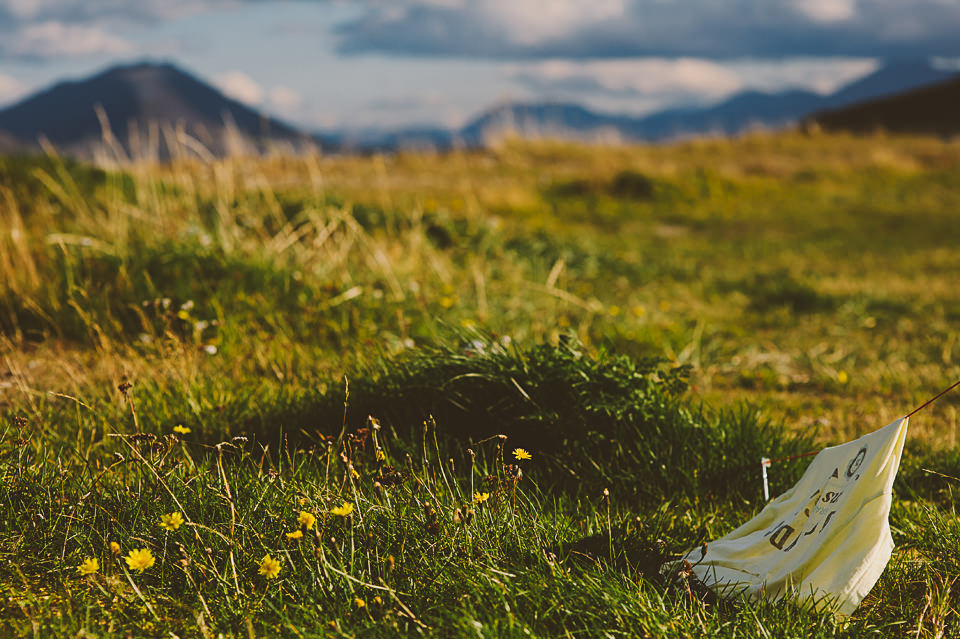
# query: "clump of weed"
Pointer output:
{"type": "Point", "coordinates": [573, 407]}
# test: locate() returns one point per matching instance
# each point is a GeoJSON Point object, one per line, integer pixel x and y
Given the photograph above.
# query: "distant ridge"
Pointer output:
{"type": "Point", "coordinates": [928, 110]}
{"type": "Point", "coordinates": [156, 110]}
{"type": "Point", "coordinates": [739, 113]}
{"type": "Point", "coordinates": [136, 99]}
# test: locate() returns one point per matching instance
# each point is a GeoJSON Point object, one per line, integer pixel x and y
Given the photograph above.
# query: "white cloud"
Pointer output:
{"type": "Point", "coordinates": [644, 85]}
{"type": "Point", "coordinates": [54, 39]}
{"type": "Point", "coordinates": [10, 89]}
{"type": "Point", "coordinates": [285, 98]}
{"type": "Point", "coordinates": [240, 86]}
{"type": "Point", "coordinates": [530, 23]}
{"type": "Point", "coordinates": [827, 11]}
{"type": "Point", "coordinates": [823, 75]}
{"type": "Point", "coordinates": [682, 77]}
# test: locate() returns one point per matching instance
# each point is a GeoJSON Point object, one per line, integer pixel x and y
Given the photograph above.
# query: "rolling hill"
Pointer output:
{"type": "Point", "coordinates": [931, 109]}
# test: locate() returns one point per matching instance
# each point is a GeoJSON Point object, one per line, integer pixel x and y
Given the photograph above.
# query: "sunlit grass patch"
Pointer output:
{"type": "Point", "coordinates": [476, 393]}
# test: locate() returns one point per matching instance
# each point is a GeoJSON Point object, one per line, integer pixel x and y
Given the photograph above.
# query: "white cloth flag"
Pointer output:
{"type": "Point", "coordinates": [826, 538]}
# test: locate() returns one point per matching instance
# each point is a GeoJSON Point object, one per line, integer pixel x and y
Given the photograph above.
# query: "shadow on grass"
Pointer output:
{"type": "Point", "coordinates": [593, 422]}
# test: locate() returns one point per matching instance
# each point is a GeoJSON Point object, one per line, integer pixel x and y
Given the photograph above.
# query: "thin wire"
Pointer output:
{"type": "Point", "coordinates": [911, 414]}
{"type": "Point", "coordinates": [932, 400]}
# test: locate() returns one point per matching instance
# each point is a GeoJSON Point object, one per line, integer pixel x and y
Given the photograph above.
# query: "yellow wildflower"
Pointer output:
{"type": "Point", "coordinates": [307, 520]}
{"type": "Point", "coordinates": [381, 456]}
{"type": "Point", "coordinates": [115, 548]}
{"type": "Point", "coordinates": [296, 534]}
{"type": "Point", "coordinates": [842, 377]}
{"type": "Point", "coordinates": [89, 566]}
{"type": "Point", "coordinates": [479, 498]}
{"type": "Point", "coordinates": [360, 603]}
{"type": "Point", "coordinates": [521, 454]}
{"type": "Point", "coordinates": [171, 521]}
{"type": "Point", "coordinates": [181, 429]}
{"type": "Point", "coordinates": [342, 511]}
{"type": "Point", "coordinates": [140, 560]}
{"type": "Point", "coordinates": [269, 567]}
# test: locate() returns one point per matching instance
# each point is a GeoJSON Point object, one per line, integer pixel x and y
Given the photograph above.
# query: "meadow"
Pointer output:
{"type": "Point", "coordinates": [483, 393]}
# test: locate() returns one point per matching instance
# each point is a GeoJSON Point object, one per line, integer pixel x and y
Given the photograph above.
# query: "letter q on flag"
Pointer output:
{"type": "Point", "coordinates": [826, 539]}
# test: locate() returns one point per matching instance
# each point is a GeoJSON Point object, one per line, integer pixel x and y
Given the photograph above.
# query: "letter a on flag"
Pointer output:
{"type": "Point", "coordinates": [826, 539]}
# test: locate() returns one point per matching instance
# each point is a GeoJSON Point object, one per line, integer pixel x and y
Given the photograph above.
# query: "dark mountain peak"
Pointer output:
{"type": "Point", "coordinates": [135, 97]}
{"type": "Point", "coordinates": [140, 66]}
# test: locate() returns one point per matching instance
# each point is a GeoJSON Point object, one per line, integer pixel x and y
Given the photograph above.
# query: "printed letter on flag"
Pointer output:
{"type": "Point", "coordinates": [826, 538]}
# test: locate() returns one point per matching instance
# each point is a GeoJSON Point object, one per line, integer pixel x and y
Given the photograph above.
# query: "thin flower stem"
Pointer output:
{"type": "Point", "coordinates": [140, 594]}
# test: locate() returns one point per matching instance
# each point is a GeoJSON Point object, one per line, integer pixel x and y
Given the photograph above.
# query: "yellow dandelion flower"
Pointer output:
{"type": "Point", "coordinates": [842, 377]}
{"type": "Point", "coordinates": [171, 521]}
{"type": "Point", "coordinates": [269, 567]}
{"type": "Point", "coordinates": [140, 560]}
{"type": "Point", "coordinates": [181, 429]}
{"type": "Point", "coordinates": [521, 454]}
{"type": "Point", "coordinates": [115, 548]}
{"type": "Point", "coordinates": [360, 603]}
{"type": "Point", "coordinates": [479, 498]}
{"type": "Point", "coordinates": [307, 520]}
{"type": "Point", "coordinates": [342, 511]}
{"type": "Point", "coordinates": [296, 534]}
{"type": "Point", "coordinates": [89, 566]}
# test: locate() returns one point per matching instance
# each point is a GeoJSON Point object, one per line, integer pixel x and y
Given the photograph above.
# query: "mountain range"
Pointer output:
{"type": "Point", "coordinates": [737, 114]}
{"type": "Point", "coordinates": [159, 110]}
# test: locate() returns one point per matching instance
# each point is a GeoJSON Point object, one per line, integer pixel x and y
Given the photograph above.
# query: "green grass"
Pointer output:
{"type": "Point", "coordinates": [385, 331]}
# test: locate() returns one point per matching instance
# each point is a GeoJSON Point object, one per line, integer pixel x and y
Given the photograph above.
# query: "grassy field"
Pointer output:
{"type": "Point", "coordinates": [322, 367]}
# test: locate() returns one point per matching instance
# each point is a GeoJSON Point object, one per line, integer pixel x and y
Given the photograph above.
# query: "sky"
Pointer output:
{"type": "Point", "coordinates": [325, 64]}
